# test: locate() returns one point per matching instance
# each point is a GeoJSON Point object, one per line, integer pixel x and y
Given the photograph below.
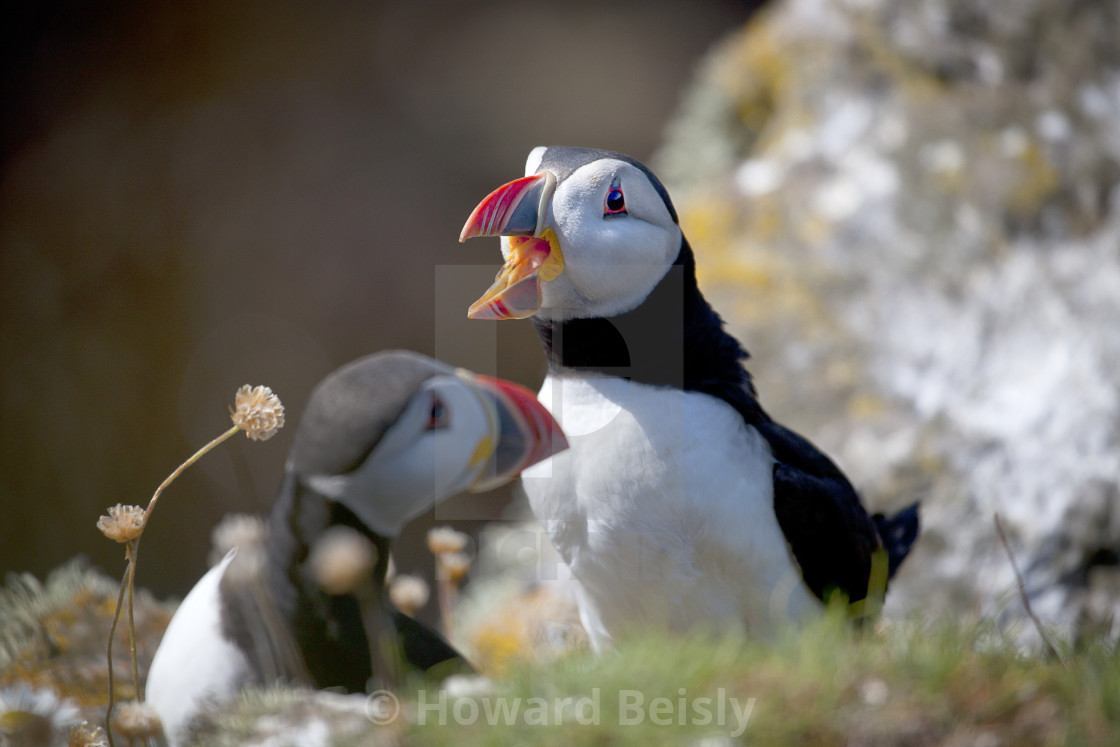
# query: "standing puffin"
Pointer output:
{"type": "Point", "coordinates": [381, 441]}
{"type": "Point", "coordinates": [680, 503]}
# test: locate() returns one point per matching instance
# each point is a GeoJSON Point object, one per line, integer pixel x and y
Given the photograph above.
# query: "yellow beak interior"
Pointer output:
{"type": "Point", "coordinates": [516, 292]}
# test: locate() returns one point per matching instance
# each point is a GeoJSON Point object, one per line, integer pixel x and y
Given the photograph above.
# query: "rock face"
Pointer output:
{"type": "Point", "coordinates": [910, 214]}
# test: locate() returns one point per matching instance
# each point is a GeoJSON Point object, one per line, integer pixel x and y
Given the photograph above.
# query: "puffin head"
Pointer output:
{"type": "Point", "coordinates": [585, 233]}
{"type": "Point", "coordinates": [391, 434]}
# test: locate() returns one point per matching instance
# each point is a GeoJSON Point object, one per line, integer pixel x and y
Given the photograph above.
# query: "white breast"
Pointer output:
{"type": "Point", "coordinates": [663, 508]}
{"type": "Point", "coordinates": [195, 663]}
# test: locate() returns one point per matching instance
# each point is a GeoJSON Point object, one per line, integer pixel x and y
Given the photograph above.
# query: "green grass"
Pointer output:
{"type": "Point", "coordinates": [912, 683]}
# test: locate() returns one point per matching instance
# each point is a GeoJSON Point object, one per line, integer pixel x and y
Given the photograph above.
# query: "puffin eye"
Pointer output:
{"type": "Point", "coordinates": [438, 416]}
{"type": "Point", "coordinates": [615, 201]}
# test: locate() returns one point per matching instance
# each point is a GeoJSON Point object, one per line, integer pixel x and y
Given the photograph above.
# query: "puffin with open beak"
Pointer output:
{"type": "Point", "coordinates": [381, 441]}
{"type": "Point", "coordinates": [680, 502]}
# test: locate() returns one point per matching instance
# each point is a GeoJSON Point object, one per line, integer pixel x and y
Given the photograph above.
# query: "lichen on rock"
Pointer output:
{"type": "Point", "coordinates": [920, 244]}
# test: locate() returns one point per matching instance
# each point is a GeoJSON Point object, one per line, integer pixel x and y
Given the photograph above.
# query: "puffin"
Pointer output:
{"type": "Point", "coordinates": [382, 440]}
{"type": "Point", "coordinates": [680, 503]}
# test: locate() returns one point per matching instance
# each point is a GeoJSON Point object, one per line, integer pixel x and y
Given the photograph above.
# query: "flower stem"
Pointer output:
{"type": "Point", "coordinates": [109, 652]}
{"type": "Point", "coordinates": [447, 591]}
{"type": "Point", "coordinates": [128, 585]}
{"type": "Point", "coordinates": [171, 478]}
{"type": "Point", "coordinates": [134, 547]}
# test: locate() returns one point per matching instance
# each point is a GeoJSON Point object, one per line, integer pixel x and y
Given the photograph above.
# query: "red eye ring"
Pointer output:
{"type": "Point", "coordinates": [615, 202]}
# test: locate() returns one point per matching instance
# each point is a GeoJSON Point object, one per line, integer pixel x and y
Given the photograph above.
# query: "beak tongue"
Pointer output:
{"type": "Point", "coordinates": [518, 210]}
{"type": "Point", "coordinates": [527, 432]}
{"type": "Point", "coordinates": [516, 292]}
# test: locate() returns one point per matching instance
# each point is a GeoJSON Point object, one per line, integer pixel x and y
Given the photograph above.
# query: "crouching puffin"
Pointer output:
{"type": "Point", "coordinates": [680, 503]}
{"type": "Point", "coordinates": [382, 439]}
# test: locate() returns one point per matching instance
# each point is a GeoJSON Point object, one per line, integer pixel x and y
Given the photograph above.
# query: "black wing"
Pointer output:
{"type": "Point", "coordinates": [827, 528]}
{"type": "Point", "coordinates": [424, 648]}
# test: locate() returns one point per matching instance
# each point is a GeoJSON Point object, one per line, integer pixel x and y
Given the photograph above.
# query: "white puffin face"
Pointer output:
{"type": "Point", "coordinates": [457, 432]}
{"type": "Point", "coordinates": [590, 239]}
{"type": "Point", "coordinates": [617, 237]}
{"type": "Point", "coordinates": [430, 452]}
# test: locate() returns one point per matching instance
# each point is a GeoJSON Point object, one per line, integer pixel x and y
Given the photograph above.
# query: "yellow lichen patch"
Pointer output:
{"type": "Point", "coordinates": [735, 273]}
{"type": "Point", "coordinates": [911, 77]}
{"type": "Point", "coordinates": [1037, 180]}
{"type": "Point", "coordinates": [499, 645]}
{"type": "Point", "coordinates": [83, 598]}
{"type": "Point", "coordinates": [106, 606]}
{"type": "Point", "coordinates": [766, 56]}
{"type": "Point", "coordinates": [841, 372]}
{"type": "Point", "coordinates": [708, 222]}
{"type": "Point", "coordinates": [930, 463]}
{"type": "Point", "coordinates": [864, 406]}
{"type": "Point", "coordinates": [526, 626]}
{"type": "Point", "coordinates": [814, 230]}
{"type": "Point", "coordinates": [765, 220]}
{"type": "Point", "coordinates": [58, 631]}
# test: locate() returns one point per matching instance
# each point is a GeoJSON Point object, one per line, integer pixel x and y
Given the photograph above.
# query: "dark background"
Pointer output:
{"type": "Point", "coordinates": [198, 195]}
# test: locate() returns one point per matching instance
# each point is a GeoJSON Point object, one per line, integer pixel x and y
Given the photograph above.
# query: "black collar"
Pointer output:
{"type": "Point", "coordinates": [673, 339]}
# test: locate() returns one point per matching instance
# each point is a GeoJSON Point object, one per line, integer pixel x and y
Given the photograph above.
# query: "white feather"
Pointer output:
{"type": "Point", "coordinates": [533, 162]}
{"type": "Point", "coordinates": [195, 663]}
{"type": "Point", "coordinates": [663, 508]}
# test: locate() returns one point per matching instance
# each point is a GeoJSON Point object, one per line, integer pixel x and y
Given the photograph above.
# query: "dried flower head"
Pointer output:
{"type": "Point", "coordinates": [87, 735]}
{"type": "Point", "coordinates": [135, 720]}
{"type": "Point", "coordinates": [443, 540]}
{"type": "Point", "coordinates": [34, 716]}
{"type": "Point", "coordinates": [237, 530]}
{"type": "Point", "coordinates": [341, 559]}
{"type": "Point", "coordinates": [453, 566]}
{"type": "Point", "coordinates": [248, 566]}
{"type": "Point", "coordinates": [258, 412]}
{"type": "Point", "coordinates": [122, 523]}
{"type": "Point", "coordinates": [408, 593]}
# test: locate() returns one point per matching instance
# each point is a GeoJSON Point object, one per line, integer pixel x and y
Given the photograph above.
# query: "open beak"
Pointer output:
{"type": "Point", "coordinates": [517, 210]}
{"type": "Point", "coordinates": [523, 432]}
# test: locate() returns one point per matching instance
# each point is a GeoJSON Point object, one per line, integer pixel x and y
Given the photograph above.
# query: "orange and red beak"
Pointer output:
{"type": "Point", "coordinates": [518, 210]}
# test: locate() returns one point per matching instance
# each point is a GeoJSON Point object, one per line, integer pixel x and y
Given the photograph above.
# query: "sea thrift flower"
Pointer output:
{"type": "Point", "coordinates": [87, 735]}
{"type": "Point", "coordinates": [341, 559]}
{"type": "Point", "coordinates": [258, 412]}
{"type": "Point", "coordinates": [122, 523]}
{"type": "Point", "coordinates": [454, 566]}
{"type": "Point", "coordinates": [30, 716]}
{"type": "Point", "coordinates": [135, 720]}
{"type": "Point", "coordinates": [409, 593]}
{"type": "Point", "coordinates": [237, 530]}
{"type": "Point", "coordinates": [442, 540]}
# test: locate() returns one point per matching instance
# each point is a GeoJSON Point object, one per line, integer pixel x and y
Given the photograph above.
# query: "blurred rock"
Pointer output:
{"type": "Point", "coordinates": [284, 714]}
{"type": "Point", "coordinates": [53, 636]}
{"type": "Point", "coordinates": [909, 213]}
